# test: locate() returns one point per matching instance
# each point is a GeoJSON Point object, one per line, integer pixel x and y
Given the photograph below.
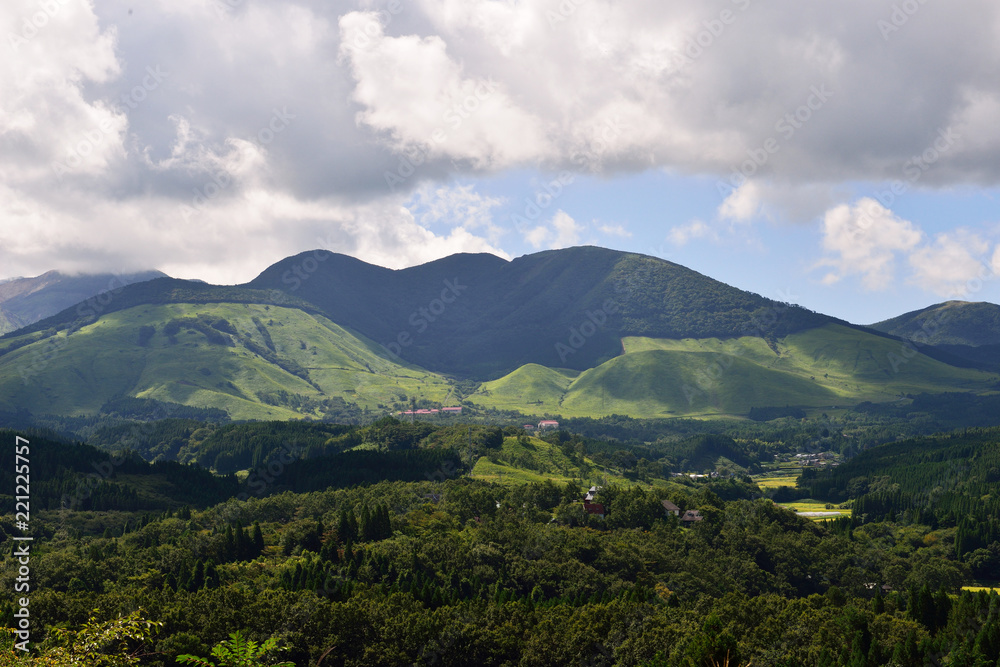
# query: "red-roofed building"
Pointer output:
{"type": "Point", "coordinates": [547, 423]}
{"type": "Point", "coordinates": [596, 509]}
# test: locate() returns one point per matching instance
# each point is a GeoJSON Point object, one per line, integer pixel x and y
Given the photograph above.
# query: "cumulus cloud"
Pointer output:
{"type": "Point", "coordinates": [743, 204]}
{"type": "Point", "coordinates": [561, 231]}
{"type": "Point", "coordinates": [680, 235]}
{"type": "Point", "coordinates": [420, 98]}
{"type": "Point", "coordinates": [456, 205]}
{"type": "Point", "coordinates": [864, 240]}
{"type": "Point", "coordinates": [867, 239]}
{"type": "Point", "coordinates": [615, 230]}
{"type": "Point", "coordinates": [328, 112]}
{"type": "Point", "coordinates": [952, 263]}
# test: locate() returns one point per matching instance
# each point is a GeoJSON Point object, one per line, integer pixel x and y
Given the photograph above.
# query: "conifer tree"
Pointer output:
{"type": "Point", "coordinates": [257, 539]}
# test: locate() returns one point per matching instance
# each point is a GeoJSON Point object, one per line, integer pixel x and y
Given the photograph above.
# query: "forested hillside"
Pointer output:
{"type": "Point", "coordinates": [453, 572]}
{"type": "Point", "coordinates": [502, 315]}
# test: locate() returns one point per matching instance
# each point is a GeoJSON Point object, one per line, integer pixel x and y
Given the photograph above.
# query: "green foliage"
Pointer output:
{"type": "Point", "coordinates": [118, 642]}
{"type": "Point", "coordinates": [238, 651]}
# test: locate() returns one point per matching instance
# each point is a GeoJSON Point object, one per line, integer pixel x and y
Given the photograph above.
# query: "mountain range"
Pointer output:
{"type": "Point", "coordinates": [583, 331]}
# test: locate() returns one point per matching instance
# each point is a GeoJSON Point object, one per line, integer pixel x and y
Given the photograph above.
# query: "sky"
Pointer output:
{"type": "Point", "coordinates": [843, 156]}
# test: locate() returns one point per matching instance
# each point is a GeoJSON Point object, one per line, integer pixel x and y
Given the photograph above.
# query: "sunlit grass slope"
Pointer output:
{"type": "Point", "coordinates": [76, 374]}
{"type": "Point", "coordinates": [531, 388]}
{"type": "Point", "coordinates": [535, 460]}
{"type": "Point", "coordinates": [823, 367]}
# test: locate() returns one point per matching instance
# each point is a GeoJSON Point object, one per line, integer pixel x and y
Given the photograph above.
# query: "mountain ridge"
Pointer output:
{"type": "Point", "coordinates": [580, 331]}
{"type": "Point", "coordinates": [526, 310]}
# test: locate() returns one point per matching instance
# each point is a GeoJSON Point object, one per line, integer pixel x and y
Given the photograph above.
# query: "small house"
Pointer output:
{"type": "Point", "coordinates": [547, 424]}
{"type": "Point", "coordinates": [594, 509]}
{"type": "Point", "coordinates": [670, 508]}
{"type": "Point", "coordinates": [691, 517]}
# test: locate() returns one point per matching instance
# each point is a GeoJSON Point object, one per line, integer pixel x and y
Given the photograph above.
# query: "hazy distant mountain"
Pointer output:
{"type": "Point", "coordinates": [964, 332]}
{"type": "Point", "coordinates": [24, 301]}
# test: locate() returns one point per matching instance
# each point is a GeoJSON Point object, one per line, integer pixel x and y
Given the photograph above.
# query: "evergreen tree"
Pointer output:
{"type": "Point", "coordinates": [229, 546]}
{"type": "Point", "coordinates": [365, 525]}
{"type": "Point", "coordinates": [197, 576]}
{"type": "Point", "coordinates": [242, 542]}
{"type": "Point", "coordinates": [257, 539]}
{"type": "Point", "coordinates": [211, 575]}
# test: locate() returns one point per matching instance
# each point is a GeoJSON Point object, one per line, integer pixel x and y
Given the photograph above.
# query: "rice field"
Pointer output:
{"type": "Point", "coordinates": [774, 481]}
{"type": "Point", "coordinates": [976, 589]}
{"type": "Point", "coordinates": [816, 510]}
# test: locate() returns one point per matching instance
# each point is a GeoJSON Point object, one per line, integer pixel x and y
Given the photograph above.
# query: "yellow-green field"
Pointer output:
{"type": "Point", "coordinates": [809, 505]}
{"type": "Point", "coordinates": [976, 589]}
{"type": "Point", "coordinates": [775, 481]}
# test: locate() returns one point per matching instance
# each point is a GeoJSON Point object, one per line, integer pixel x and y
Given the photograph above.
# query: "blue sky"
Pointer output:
{"type": "Point", "coordinates": [771, 254]}
{"type": "Point", "coordinates": [749, 141]}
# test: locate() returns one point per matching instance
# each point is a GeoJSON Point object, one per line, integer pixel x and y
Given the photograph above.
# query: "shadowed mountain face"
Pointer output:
{"type": "Point", "coordinates": [959, 332]}
{"type": "Point", "coordinates": [949, 323]}
{"type": "Point", "coordinates": [24, 301]}
{"type": "Point", "coordinates": [481, 316]}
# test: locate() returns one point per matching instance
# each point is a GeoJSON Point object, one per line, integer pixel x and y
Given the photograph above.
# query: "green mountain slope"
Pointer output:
{"type": "Point", "coordinates": [957, 332]}
{"type": "Point", "coordinates": [254, 361]}
{"type": "Point", "coordinates": [949, 323]}
{"type": "Point", "coordinates": [526, 459]}
{"type": "Point", "coordinates": [822, 367]}
{"type": "Point", "coordinates": [320, 332]}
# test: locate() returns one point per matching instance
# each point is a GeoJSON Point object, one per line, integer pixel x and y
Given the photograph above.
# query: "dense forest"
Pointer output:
{"type": "Point", "coordinates": [371, 545]}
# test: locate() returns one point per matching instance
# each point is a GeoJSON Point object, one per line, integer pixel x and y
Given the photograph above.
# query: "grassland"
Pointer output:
{"type": "Point", "coordinates": [822, 368]}
{"type": "Point", "coordinates": [534, 460]}
{"type": "Point", "coordinates": [75, 374]}
{"type": "Point", "coordinates": [312, 360]}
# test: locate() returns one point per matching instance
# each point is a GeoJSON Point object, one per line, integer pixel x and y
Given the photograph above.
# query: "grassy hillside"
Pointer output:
{"type": "Point", "coordinates": [262, 362]}
{"type": "Point", "coordinates": [531, 387]}
{"type": "Point", "coordinates": [525, 459]}
{"type": "Point", "coordinates": [821, 367]}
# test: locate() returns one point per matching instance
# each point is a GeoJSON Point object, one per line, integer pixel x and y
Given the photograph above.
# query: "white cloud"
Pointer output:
{"type": "Point", "coordinates": [609, 89]}
{"type": "Point", "coordinates": [864, 240]}
{"type": "Point", "coordinates": [456, 206]}
{"type": "Point", "coordinates": [951, 263]}
{"type": "Point", "coordinates": [695, 229]}
{"type": "Point", "coordinates": [743, 204]}
{"type": "Point", "coordinates": [561, 231]}
{"type": "Point", "coordinates": [615, 230]}
{"type": "Point", "coordinates": [867, 239]}
{"type": "Point", "coordinates": [422, 100]}
{"type": "Point", "coordinates": [49, 55]}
